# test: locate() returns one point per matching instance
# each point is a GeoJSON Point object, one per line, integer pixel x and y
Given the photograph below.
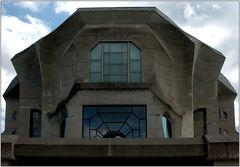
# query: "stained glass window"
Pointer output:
{"type": "Point", "coordinates": [114, 121]}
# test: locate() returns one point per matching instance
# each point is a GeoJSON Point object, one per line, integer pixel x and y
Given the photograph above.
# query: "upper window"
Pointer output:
{"type": "Point", "coordinates": [115, 62]}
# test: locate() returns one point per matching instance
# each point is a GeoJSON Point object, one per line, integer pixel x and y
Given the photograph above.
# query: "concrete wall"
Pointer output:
{"type": "Point", "coordinates": [206, 70]}
{"type": "Point", "coordinates": [182, 74]}
{"type": "Point", "coordinates": [226, 104]}
{"type": "Point", "coordinates": [30, 88]}
{"type": "Point", "coordinates": [155, 109]}
{"type": "Point", "coordinates": [12, 105]}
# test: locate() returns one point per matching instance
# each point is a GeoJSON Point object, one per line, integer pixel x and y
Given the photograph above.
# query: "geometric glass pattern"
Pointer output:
{"type": "Point", "coordinates": [114, 121]}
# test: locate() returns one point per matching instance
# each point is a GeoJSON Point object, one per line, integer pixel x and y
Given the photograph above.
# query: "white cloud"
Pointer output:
{"type": "Point", "coordinates": [31, 5]}
{"type": "Point", "coordinates": [189, 12]}
{"type": "Point", "coordinates": [212, 35]}
{"type": "Point", "coordinates": [6, 79]}
{"type": "Point", "coordinates": [71, 6]}
{"type": "Point", "coordinates": [215, 6]}
{"type": "Point", "coordinates": [17, 35]}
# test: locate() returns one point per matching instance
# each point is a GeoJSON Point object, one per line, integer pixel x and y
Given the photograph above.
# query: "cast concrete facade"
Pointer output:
{"type": "Point", "coordinates": [181, 77]}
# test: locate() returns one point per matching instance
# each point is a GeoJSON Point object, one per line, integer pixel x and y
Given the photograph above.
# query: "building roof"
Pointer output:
{"type": "Point", "coordinates": [117, 15]}
{"type": "Point", "coordinates": [13, 87]}
{"type": "Point", "coordinates": [224, 81]}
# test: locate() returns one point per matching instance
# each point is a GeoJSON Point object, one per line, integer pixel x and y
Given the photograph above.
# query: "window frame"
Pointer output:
{"type": "Point", "coordinates": [169, 126]}
{"type": "Point", "coordinates": [128, 61]}
{"type": "Point", "coordinates": [116, 105]}
{"type": "Point", "coordinates": [32, 119]}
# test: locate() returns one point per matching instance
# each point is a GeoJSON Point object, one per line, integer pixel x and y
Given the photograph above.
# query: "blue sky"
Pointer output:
{"type": "Point", "coordinates": [216, 23]}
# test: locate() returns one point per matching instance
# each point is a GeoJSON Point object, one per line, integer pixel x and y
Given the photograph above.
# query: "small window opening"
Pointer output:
{"type": "Point", "coordinates": [14, 132]}
{"type": "Point", "coordinates": [225, 132]}
{"type": "Point", "coordinates": [14, 115]}
{"type": "Point", "coordinates": [225, 114]}
{"type": "Point", "coordinates": [220, 131]}
{"type": "Point", "coordinates": [167, 127]}
{"type": "Point", "coordinates": [63, 128]}
{"type": "Point", "coordinates": [219, 114]}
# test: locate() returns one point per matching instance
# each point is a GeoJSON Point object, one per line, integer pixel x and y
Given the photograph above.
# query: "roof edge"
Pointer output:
{"type": "Point", "coordinates": [103, 9]}
{"type": "Point", "coordinates": [11, 86]}
{"type": "Point", "coordinates": [226, 83]}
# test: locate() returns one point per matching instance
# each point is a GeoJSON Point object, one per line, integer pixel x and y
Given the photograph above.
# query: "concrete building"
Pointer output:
{"type": "Point", "coordinates": [119, 84]}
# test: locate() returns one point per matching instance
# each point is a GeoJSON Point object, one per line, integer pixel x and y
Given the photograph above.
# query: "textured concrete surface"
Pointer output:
{"type": "Point", "coordinates": [182, 74]}
{"type": "Point", "coordinates": [220, 150]}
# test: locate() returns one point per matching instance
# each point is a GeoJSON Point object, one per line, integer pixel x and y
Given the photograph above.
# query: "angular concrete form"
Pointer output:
{"type": "Point", "coordinates": [180, 81]}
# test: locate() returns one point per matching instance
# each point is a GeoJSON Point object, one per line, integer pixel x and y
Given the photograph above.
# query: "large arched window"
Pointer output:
{"type": "Point", "coordinates": [35, 123]}
{"type": "Point", "coordinates": [167, 127]}
{"type": "Point", "coordinates": [115, 62]}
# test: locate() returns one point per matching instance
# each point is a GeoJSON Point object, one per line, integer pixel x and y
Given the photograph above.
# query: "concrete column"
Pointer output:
{"type": "Point", "coordinates": [187, 125]}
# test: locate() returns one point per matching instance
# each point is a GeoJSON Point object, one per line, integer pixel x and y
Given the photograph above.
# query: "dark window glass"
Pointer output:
{"type": "Point", "coordinates": [14, 132]}
{"type": "Point", "coordinates": [114, 121]}
{"type": "Point", "coordinates": [225, 132]}
{"type": "Point", "coordinates": [35, 123]}
{"type": "Point", "coordinates": [219, 114]}
{"type": "Point", "coordinates": [225, 115]}
{"type": "Point", "coordinates": [115, 62]}
{"type": "Point", "coordinates": [63, 128]}
{"type": "Point", "coordinates": [95, 77]}
{"type": "Point", "coordinates": [14, 115]}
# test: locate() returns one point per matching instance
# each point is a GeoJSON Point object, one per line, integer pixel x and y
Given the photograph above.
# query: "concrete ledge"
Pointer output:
{"type": "Point", "coordinates": [188, 147]}
{"type": "Point", "coordinates": [97, 86]}
{"type": "Point", "coordinates": [222, 147]}
{"type": "Point", "coordinates": [213, 150]}
{"type": "Point", "coordinates": [7, 148]}
{"type": "Point", "coordinates": [45, 147]}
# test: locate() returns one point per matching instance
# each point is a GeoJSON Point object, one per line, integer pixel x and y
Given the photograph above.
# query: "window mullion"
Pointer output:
{"type": "Point", "coordinates": [128, 57]}
{"type": "Point", "coordinates": [102, 56]}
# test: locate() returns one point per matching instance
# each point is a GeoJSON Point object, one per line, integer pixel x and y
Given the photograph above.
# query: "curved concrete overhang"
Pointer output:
{"type": "Point", "coordinates": [225, 87]}
{"type": "Point", "coordinates": [27, 64]}
{"type": "Point", "coordinates": [13, 88]}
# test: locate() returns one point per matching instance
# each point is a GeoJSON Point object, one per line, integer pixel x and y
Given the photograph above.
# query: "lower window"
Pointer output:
{"type": "Point", "coordinates": [114, 121]}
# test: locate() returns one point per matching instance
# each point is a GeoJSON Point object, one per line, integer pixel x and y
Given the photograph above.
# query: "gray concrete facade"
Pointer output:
{"type": "Point", "coordinates": [181, 75]}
